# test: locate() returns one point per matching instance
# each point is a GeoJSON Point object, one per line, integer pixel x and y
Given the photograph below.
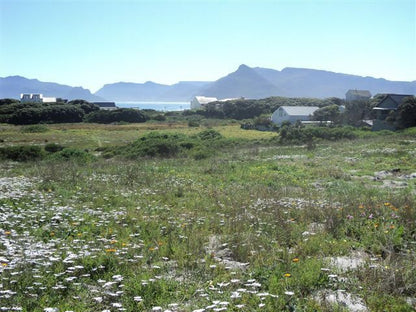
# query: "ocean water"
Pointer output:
{"type": "Point", "coordinates": [159, 106]}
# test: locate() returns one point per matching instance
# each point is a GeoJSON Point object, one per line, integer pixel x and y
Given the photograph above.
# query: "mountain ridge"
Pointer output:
{"type": "Point", "coordinates": [13, 86]}
{"type": "Point", "coordinates": [248, 82]}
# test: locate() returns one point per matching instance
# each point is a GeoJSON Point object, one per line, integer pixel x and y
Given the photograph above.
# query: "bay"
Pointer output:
{"type": "Point", "coordinates": [158, 106]}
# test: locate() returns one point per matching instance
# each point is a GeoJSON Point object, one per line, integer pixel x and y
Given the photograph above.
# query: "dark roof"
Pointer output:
{"type": "Point", "coordinates": [396, 98]}
{"type": "Point", "coordinates": [105, 104]}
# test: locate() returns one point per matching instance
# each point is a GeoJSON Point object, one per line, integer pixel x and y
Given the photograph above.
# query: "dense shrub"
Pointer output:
{"type": "Point", "coordinates": [73, 154]}
{"type": "Point", "coordinates": [53, 147]}
{"type": "Point", "coordinates": [291, 134]}
{"type": "Point", "coordinates": [209, 134]}
{"type": "Point", "coordinates": [46, 114]}
{"type": "Point", "coordinates": [193, 123]}
{"type": "Point", "coordinates": [118, 115]}
{"type": "Point", "coordinates": [8, 101]}
{"type": "Point", "coordinates": [35, 129]}
{"type": "Point", "coordinates": [21, 153]}
{"type": "Point", "coordinates": [157, 145]}
{"type": "Point", "coordinates": [87, 107]}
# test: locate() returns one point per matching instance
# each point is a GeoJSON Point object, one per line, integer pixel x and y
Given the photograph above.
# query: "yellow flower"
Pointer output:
{"type": "Point", "coordinates": [7, 232]}
{"type": "Point", "coordinates": [295, 260]}
{"type": "Point", "coordinates": [361, 206]}
{"type": "Point", "coordinates": [4, 264]}
{"type": "Point", "coordinates": [110, 250]}
{"type": "Point", "coordinates": [287, 275]}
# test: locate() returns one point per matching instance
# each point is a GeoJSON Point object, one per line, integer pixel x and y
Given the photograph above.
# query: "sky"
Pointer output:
{"type": "Point", "coordinates": [90, 43]}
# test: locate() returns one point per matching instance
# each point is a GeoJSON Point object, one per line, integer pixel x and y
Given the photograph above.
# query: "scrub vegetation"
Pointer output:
{"type": "Point", "coordinates": [165, 216]}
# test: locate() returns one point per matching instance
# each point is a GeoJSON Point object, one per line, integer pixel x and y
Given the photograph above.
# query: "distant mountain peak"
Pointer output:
{"type": "Point", "coordinates": [243, 67]}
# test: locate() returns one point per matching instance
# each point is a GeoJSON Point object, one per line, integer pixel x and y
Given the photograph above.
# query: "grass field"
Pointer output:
{"type": "Point", "coordinates": [254, 226]}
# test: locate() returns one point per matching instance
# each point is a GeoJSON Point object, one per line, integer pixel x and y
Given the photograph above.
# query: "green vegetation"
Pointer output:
{"type": "Point", "coordinates": [163, 216]}
{"type": "Point", "coordinates": [118, 115]}
{"type": "Point", "coordinates": [246, 109]}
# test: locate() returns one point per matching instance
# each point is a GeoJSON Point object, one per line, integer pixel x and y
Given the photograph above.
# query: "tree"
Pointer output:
{"type": "Point", "coordinates": [356, 111]}
{"type": "Point", "coordinates": [406, 113]}
{"type": "Point", "coordinates": [327, 113]}
{"type": "Point", "coordinates": [8, 101]}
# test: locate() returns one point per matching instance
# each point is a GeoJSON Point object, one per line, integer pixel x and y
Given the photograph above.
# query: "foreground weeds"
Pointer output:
{"type": "Point", "coordinates": [247, 227]}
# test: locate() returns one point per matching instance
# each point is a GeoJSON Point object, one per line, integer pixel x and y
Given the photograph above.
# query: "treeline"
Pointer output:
{"type": "Point", "coordinates": [14, 112]}
{"type": "Point", "coordinates": [246, 109]}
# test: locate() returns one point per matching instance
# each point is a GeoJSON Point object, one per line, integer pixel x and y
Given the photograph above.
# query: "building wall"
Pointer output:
{"type": "Point", "coordinates": [280, 115]}
{"type": "Point", "coordinates": [195, 103]}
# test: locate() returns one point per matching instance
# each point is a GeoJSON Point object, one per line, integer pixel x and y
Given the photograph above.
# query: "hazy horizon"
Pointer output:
{"type": "Point", "coordinates": [92, 43]}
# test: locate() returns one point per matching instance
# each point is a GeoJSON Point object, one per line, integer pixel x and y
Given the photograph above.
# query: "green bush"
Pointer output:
{"type": "Point", "coordinates": [291, 134]}
{"type": "Point", "coordinates": [193, 123]}
{"type": "Point", "coordinates": [73, 154]}
{"type": "Point", "coordinates": [209, 134]}
{"type": "Point", "coordinates": [53, 147]}
{"type": "Point", "coordinates": [35, 129]}
{"type": "Point", "coordinates": [157, 145]}
{"type": "Point", "coordinates": [21, 153]}
{"type": "Point", "coordinates": [118, 115]}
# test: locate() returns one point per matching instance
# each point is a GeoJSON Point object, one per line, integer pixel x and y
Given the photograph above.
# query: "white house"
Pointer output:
{"type": "Point", "coordinates": [36, 98]}
{"type": "Point", "coordinates": [200, 100]}
{"type": "Point", "coordinates": [293, 113]}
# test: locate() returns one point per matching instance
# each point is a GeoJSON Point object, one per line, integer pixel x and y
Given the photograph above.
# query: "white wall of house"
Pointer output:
{"type": "Point", "coordinates": [199, 101]}
{"type": "Point", "coordinates": [36, 98]}
{"type": "Point", "coordinates": [292, 114]}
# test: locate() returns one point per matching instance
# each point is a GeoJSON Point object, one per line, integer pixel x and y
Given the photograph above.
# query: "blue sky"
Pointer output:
{"type": "Point", "coordinates": [90, 42]}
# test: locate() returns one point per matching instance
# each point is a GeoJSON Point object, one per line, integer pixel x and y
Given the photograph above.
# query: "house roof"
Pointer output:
{"type": "Point", "coordinates": [300, 110]}
{"type": "Point", "coordinates": [365, 93]}
{"type": "Point", "coordinates": [204, 99]}
{"type": "Point", "coordinates": [396, 98]}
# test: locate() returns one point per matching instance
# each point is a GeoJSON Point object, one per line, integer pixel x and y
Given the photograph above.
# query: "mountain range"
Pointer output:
{"type": "Point", "coordinates": [245, 82]}
{"type": "Point", "coordinates": [13, 86]}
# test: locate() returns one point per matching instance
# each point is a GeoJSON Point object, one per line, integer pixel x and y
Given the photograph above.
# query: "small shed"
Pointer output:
{"type": "Point", "coordinates": [357, 95]}
{"type": "Point", "coordinates": [293, 114]}
{"type": "Point", "coordinates": [200, 100]}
